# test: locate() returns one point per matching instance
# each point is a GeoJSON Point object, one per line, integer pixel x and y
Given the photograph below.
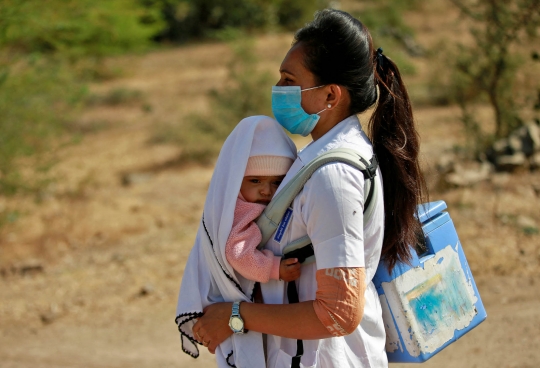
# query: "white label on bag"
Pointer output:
{"type": "Point", "coordinates": [429, 304]}
{"type": "Point", "coordinates": [283, 225]}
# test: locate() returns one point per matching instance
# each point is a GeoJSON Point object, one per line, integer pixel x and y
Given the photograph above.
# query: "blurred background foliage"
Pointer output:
{"type": "Point", "coordinates": [194, 19]}
{"type": "Point", "coordinates": [77, 28]}
{"type": "Point", "coordinates": [246, 91]}
{"type": "Point", "coordinates": [488, 68]}
{"type": "Point", "coordinates": [386, 21]}
{"type": "Point", "coordinates": [51, 49]}
{"type": "Point", "coordinates": [48, 51]}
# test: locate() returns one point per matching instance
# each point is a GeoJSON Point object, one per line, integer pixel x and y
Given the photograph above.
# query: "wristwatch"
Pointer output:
{"type": "Point", "coordinates": [236, 323]}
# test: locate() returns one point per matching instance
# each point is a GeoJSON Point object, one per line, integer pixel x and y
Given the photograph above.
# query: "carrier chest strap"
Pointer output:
{"type": "Point", "coordinates": [369, 174]}
{"type": "Point", "coordinates": [301, 253]}
{"type": "Point", "coordinates": [302, 249]}
{"type": "Point", "coordinates": [292, 295]}
{"type": "Point", "coordinates": [269, 220]}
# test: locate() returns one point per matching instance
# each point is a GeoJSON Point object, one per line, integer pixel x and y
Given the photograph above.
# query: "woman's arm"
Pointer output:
{"type": "Point", "coordinates": [339, 302]}
{"type": "Point", "coordinates": [295, 321]}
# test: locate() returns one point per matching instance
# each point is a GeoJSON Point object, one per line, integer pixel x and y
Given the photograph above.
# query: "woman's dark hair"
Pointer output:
{"type": "Point", "coordinates": [338, 49]}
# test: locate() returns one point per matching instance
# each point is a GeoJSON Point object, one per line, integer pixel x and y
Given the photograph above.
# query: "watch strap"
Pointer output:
{"type": "Point", "coordinates": [236, 309]}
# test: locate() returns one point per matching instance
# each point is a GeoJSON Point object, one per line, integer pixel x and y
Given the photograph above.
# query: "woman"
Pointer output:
{"type": "Point", "coordinates": [333, 67]}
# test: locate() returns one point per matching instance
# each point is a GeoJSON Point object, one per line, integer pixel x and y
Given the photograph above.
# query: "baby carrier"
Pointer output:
{"type": "Point", "coordinates": [427, 304]}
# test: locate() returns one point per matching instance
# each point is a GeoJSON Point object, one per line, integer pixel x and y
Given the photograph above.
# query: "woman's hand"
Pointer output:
{"type": "Point", "coordinates": [213, 327]}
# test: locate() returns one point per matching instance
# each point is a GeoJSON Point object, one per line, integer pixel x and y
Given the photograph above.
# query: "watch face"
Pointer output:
{"type": "Point", "coordinates": [236, 323]}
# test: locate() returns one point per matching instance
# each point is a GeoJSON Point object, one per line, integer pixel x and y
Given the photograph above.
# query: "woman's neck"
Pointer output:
{"type": "Point", "coordinates": [326, 125]}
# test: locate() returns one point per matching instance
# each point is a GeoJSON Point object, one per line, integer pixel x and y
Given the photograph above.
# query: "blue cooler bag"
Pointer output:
{"type": "Point", "coordinates": [434, 301]}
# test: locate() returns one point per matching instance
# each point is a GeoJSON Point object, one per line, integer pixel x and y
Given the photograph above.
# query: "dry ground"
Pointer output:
{"type": "Point", "coordinates": [89, 276]}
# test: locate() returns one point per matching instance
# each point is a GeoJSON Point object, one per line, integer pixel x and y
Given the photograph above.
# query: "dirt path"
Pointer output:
{"type": "Point", "coordinates": [118, 325]}
{"type": "Point", "coordinates": [111, 304]}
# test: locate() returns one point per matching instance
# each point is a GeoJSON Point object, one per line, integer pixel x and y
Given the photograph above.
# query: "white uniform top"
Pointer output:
{"type": "Point", "coordinates": [330, 210]}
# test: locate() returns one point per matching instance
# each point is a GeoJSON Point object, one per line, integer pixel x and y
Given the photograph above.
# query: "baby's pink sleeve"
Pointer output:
{"type": "Point", "coordinates": [241, 247]}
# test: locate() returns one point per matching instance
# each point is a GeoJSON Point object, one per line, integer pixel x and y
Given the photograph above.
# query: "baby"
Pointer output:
{"type": "Point", "coordinates": [225, 263]}
{"type": "Point", "coordinates": [262, 177]}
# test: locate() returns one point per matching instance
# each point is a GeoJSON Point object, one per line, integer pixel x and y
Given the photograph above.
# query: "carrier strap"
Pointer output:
{"type": "Point", "coordinates": [302, 248]}
{"type": "Point", "coordinates": [292, 294]}
{"type": "Point", "coordinates": [269, 220]}
{"type": "Point", "coordinates": [301, 253]}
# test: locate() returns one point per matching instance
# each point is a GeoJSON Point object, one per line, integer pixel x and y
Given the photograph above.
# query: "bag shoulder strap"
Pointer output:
{"type": "Point", "coordinates": [269, 220]}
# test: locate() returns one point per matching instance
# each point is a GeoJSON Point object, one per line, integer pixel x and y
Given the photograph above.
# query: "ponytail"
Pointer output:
{"type": "Point", "coordinates": [396, 144]}
{"type": "Point", "coordinates": [338, 49]}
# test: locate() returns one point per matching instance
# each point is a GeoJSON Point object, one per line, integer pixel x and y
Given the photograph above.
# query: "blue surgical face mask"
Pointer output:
{"type": "Point", "coordinates": [288, 111]}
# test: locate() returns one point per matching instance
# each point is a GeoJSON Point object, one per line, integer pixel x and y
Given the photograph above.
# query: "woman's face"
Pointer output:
{"type": "Point", "coordinates": [294, 73]}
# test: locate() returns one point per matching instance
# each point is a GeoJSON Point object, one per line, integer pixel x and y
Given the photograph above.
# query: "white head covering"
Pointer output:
{"type": "Point", "coordinates": [208, 277]}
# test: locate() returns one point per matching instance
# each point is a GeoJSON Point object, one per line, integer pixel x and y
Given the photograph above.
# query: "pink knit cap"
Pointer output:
{"type": "Point", "coordinates": [268, 165]}
{"type": "Point", "coordinates": [272, 152]}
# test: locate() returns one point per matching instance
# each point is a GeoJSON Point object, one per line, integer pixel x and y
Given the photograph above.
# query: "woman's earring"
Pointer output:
{"type": "Point", "coordinates": [329, 106]}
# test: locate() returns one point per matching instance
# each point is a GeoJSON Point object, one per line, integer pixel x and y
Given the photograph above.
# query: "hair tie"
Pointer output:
{"type": "Point", "coordinates": [380, 58]}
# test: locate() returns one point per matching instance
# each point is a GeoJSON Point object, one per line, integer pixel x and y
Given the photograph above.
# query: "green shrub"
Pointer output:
{"type": "Point", "coordinates": [189, 19]}
{"type": "Point", "coordinates": [76, 28]}
{"type": "Point", "coordinates": [47, 51]}
{"type": "Point", "coordinates": [386, 23]}
{"type": "Point", "coordinates": [485, 70]}
{"type": "Point", "coordinates": [37, 99]}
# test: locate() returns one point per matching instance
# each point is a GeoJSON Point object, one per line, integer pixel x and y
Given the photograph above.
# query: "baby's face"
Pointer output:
{"type": "Point", "coordinates": [260, 189]}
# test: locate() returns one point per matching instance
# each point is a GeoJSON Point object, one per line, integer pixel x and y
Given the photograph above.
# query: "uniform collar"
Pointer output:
{"type": "Point", "coordinates": [347, 130]}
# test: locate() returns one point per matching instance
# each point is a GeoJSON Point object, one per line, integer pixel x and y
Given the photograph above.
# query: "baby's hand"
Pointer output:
{"type": "Point", "coordinates": [289, 269]}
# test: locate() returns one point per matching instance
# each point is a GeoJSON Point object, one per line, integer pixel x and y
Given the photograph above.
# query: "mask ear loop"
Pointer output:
{"type": "Point", "coordinates": [307, 89]}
